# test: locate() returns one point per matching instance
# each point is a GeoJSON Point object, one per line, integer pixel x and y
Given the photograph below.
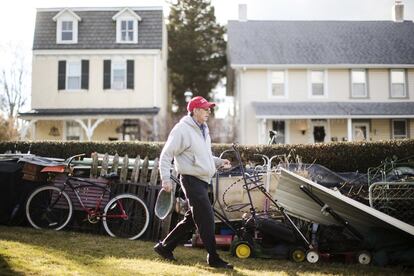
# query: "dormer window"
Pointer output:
{"type": "Point", "coordinates": [127, 30]}
{"type": "Point", "coordinates": [126, 26]}
{"type": "Point", "coordinates": [67, 31]}
{"type": "Point", "coordinates": [66, 27]}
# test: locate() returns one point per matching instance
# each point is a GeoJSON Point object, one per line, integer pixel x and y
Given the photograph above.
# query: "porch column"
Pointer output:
{"type": "Point", "coordinates": [25, 129]}
{"type": "Point", "coordinates": [349, 125]}
{"type": "Point", "coordinates": [262, 139]}
{"type": "Point", "coordinates": [90, 128]}
{"type": "Point", "coordinates": [154, 129]}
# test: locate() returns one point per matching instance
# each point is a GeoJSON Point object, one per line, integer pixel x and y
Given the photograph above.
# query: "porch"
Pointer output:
{"type": "Point", "coordinates": [91, 124]}
{"type": "Point", "coordinates": [312, 122]}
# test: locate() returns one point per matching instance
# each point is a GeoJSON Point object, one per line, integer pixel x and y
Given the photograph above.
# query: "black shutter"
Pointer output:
{"type": "Point", "coordinates": [85, 74]}
{"type": "Point", "coordinates": [107, 74]}
{"type": "Point", "coordinates": [130, 74]}
{"type": "Point", "coordinates": [62, 75]}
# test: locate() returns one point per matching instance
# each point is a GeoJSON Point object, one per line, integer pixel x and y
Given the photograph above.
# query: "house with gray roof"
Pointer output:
{"type": "Point", "coordinates": [321, 81]}
{"type": "Point", "coordinates": [98, 74]}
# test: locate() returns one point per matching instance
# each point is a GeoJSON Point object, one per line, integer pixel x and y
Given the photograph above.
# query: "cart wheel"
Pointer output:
{"type": "Point", "coordinates": [242, 250]}
{"type": "Point", "coordinates": [297, 255]}
{"type": "Point", "coordinates": [364, 257]}
{"type": "Point", "coordinates": [312, 256]}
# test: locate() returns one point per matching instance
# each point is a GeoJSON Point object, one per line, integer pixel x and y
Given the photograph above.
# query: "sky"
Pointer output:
{"type": "Point", "coordinates": [17, 17]}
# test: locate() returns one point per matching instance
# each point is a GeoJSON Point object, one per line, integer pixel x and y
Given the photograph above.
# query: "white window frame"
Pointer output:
{"type": "Point", "coordinates": [285, 84]}
{"type": "Point", "coordinates": [405, 83]}
{"type": "Point", "coordinates": [353, 82]}
{"type": "Point", "coordinates": [393, 129]}
{"type": "Point", "coordinates": [127, 30]}
{"type": "Point", "coordinates": [62, 31]}
{"type": "Point", "coordinates": [119, 29]}
{"type": "Point", "coordinates": [62, 16]}
{"type": "Point", "coordinates": [325, 84]}
{"type": "Point", "coordinates": [68, 64]}
{"type": "Point", "coordinates": [119, 64]}
{"type": "Point", "coordinates": [81, 135]}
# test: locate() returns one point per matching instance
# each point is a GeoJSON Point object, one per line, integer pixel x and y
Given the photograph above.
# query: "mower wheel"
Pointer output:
{"type": "Point", "coordinates": [364, 257]}
{"type": "Point", "coordinates": [297, 255]}
{"type": "Point", "coordinates": [242, 250]}
{"type": "Point", "coordinates": [312, 256]}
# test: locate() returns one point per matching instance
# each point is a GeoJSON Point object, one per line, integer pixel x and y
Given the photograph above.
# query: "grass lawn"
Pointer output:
{"type": "Point", "coordinates": [26, 251]}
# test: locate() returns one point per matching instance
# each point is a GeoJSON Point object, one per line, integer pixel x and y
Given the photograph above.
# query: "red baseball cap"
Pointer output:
{"type": "Point", "coordinates": [199, 102]}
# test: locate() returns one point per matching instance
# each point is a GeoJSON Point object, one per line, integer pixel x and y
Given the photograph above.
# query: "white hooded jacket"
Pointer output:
{"type": "Point", "coordinates": [190, 150]}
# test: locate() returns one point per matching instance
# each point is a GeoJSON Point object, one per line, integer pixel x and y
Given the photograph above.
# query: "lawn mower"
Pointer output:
{"type": "Point", "coordinates": [264, 235]}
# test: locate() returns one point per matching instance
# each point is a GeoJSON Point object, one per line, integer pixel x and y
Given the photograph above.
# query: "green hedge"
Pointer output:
{"type": "Point", "coordinates": [67, 149]}
{"type": "Point", "coordinates": [341, 156]}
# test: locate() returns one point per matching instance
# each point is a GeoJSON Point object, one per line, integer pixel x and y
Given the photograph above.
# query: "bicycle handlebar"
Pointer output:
{"type": "Point", "coordinates": [70, 159]}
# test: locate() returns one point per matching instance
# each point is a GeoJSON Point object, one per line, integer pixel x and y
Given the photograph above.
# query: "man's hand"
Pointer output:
{"type": "Point", "coordinates": [167, 185]}
{"type": "Point", "coordinates": [226, 164]}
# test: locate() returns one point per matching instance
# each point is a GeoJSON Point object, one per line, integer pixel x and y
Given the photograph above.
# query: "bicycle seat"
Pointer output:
{"type": "Point", "coordinates": [111, 176]}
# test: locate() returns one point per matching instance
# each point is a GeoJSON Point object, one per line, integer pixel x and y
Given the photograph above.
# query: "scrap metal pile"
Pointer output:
{"type": "Point", "coordinates": [338, 213]}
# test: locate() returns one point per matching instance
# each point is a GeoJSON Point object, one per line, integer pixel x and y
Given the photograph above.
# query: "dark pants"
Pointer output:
{"type": "Point", "coordinates": [199, 215]}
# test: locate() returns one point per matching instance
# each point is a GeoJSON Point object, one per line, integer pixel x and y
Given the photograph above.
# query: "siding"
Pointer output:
{"type": "Point", "coordinates": [378, 84]}
{"type": "Point", "coordinates": [105, 130]}
{"type": "Point", "coordinates": [43, 129]}
{"type": "Point", "coordinates": [339, 128]}
{"type": "Point", "coordinates": [46, 95]}
{"type": "Point", "coordinates": [380, 130]}
{"type": "Point", "coordinates": [254, 86]}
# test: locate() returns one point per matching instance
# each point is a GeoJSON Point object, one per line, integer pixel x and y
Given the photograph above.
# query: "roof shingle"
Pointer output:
{"type": "Point", "coordinates": [320, 42]}
{"type": "Point", "coordinates": [56, 112]}
{"type": "Point", "coordinates": [97, 30]}
{"type": "Point", "coordinates": [334, 109]}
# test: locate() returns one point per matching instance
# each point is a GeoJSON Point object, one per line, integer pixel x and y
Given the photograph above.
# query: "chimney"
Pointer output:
{"type": "Point", "coordinates": [398, 11]}
{"type": "Point", "coordinates": [243, 12]}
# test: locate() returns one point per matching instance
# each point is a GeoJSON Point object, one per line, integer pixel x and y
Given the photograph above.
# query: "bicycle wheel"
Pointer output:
{"type": "Point", "coordinates": [49, 208]}
{"type": "Point", "coordinates": [126, 216]}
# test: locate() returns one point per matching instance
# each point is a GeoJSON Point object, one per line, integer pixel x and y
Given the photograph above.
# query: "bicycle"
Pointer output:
{"type": "Point", "coordinates": [50, 207]}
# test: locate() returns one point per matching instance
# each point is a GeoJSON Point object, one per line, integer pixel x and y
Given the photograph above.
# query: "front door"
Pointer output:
{"type": "Point", "coordinates": [320, 131]}
{"type": "Point", "coordinates": [278, 136]}
{"type": "Point", "coordinates": [360, 132]}
{"type": "Point", "coordinates": [319, 134]}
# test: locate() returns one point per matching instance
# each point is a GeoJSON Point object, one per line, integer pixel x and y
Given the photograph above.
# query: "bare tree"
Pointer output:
{"type": "Point", "coordinates": [13, 80]}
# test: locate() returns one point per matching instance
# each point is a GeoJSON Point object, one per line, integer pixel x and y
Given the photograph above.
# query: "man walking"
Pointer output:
{"type": "Point", "coordinates": [189, 144]}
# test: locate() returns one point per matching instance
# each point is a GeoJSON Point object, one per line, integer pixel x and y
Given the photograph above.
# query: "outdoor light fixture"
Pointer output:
{"type": "Point", "coordinates": [303, 128]}
{"type": "Point", "coordinates": [54, 131]}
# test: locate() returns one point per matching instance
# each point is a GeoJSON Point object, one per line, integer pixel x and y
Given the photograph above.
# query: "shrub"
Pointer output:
{"type": "Point", "coordinates": [339, 156]}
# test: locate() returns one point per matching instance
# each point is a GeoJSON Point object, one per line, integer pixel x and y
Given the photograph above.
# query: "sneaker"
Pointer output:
{"type": "Point", "coordinates": [218, 263]}
{"type": "Point", "coordinates": [163, 252]}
